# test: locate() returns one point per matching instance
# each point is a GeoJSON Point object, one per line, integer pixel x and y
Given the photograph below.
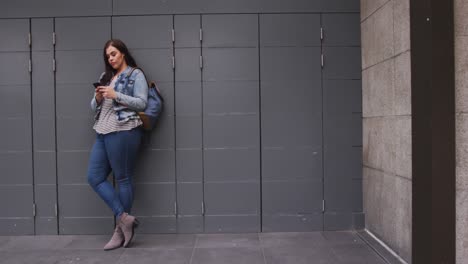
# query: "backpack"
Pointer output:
{"type": "Point", "coordinates": [154, 104]}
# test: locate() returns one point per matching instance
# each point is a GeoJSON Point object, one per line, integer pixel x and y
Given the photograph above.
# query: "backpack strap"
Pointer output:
{"type": "Point", "coordinates": [137, 68]}
{"type": "Point", "coordinates": [150, 84]}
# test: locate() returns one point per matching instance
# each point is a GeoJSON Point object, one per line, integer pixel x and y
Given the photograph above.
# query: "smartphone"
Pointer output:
{"type": "Point", "coordinates": [96, 84]}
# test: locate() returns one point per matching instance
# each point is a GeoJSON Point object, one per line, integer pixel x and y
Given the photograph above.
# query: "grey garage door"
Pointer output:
{"type": "Point", "coordinates": [261, 129]}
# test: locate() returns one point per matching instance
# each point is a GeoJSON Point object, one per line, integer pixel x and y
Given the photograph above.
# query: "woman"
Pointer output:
{"type": "Point", "coordinates": [116, 102]}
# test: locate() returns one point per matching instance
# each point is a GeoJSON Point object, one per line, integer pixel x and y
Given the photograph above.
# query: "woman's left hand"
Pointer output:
{"type": "Point", "coordinates": [108, 92]}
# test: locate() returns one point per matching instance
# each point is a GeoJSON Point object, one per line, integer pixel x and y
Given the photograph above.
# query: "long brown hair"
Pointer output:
{"type": "Point", "coordinates": [120, 46]}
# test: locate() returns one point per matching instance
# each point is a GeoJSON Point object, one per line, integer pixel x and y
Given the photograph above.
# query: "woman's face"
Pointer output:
{"type": "Point", "coordinates": [115, 57]}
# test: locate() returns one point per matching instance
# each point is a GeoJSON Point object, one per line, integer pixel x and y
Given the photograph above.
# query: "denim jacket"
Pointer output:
{"type": "Point", "coordinates": [132, 94]}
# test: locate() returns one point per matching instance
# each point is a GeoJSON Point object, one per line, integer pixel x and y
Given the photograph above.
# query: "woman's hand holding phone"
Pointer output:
{"type": "Point", "coordinates": [97, 90]}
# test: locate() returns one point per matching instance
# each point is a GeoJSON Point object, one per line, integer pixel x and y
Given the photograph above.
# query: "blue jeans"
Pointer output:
{"type": "Point", "coordinates": [116, 152]}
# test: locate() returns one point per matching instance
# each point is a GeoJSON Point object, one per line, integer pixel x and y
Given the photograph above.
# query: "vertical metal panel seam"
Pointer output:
{"type": "Point", "coordinates": [323, 128]}
{"type": "Point", "coordinates": [260, 122]}
{"type": "Point", "coordinates": [32, 127]}
{"type": "Point", "coordinates": [202, 128]}
{"type": "Point", "coordinates": [55, 127]}
{"type": "Point", "coordinates": [175, 126]}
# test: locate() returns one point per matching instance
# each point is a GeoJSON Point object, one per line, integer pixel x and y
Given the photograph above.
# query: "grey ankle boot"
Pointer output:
{"type": "Point", "coordinates": [127, 223]}
{"type": "Point", "coordinates": [116, 240]}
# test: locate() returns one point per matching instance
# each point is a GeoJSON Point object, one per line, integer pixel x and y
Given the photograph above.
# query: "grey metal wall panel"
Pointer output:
{"type": "Point", "coordinates": [149, 39]}
{"type": "Point", "coordinates": [154, 199]}
{"type": "Point", "coordinates": [297, 30]}
{"type": "Point", "coordinates": [72, 167]}
{"type": "Point", "coordinates": [156, 225]}
{"type": "Point", "coordinates": [157, 63]}
{"type": "Point", "coordinates": [15, 34]}
{"type": "Point", "coordinates": [341, 29]}
{"type": "Point", "coordinates": [295, 130]}
{"type": "Point", "coordinates": [232, 224]}
{"type": "Point", "coordinates": [226, 6]}
{"type": "Point", "coordinates": [52, 8]}
{"type": "Point", "coordinates": [189, 132]}
{"type": "Point", "coordinates": [231, 131]}
{"type": "Point", "coordinates": [269, 6]}
{"type": "Point", "coordinates": [79, 64]}
{"type": "Point", "coordinates": [82, 33]}
{"type": "Point", "coordinates": [223, 165]}
{"type": "Point", "coordinates": [16, 134]}
{"type": "Point", "coordinates": [23, 197]}
{"type": "Point", "coordinates": [188, 107]}
{"type": "Point", "coordinates": [15, 100]}
{"type": "Point", "coordinates": [292, 197]}
{"type": "Point", "coordinates": [16, 140]}
{"type": "Point", "coordinates": [156, 31]}
{"type": "Point", "coordinates": [189, 165]}
{"type": "Point", "coordinates": [223, 198]}
{"type": "Point", "coordinates": [298, 96]}
{"type": "Point", "coordinates": [230, 97]}
{"type": "Point", "coordinates": [230, 31]}
{"type": "Point", "coordinates": [43, 91]}
{"type": "Point", "coordinates": [291, 121]}
{"type": "Point", "coordinates": [187, 31]}
{"type": "Point", "coordinates": [187, 61]}
{"type": "Point", "coordinates": [291, 163]}
{"type": "Point", "coordinates": [86, 226]}
{"type": "Point", "coordinates": [138, 7]}
{"type": "Point", "coordinates": [88, 63]}
{"type": "Point", "coordinates": [290, 63]}
{"type": "Point", "coordinates": [41, 34]}
{"type": "Point", "coordinates": [79, 198]}
{"type": "Point", "coordinates": [16, 227]}
{"type": "Point", "coordinates": [81, 100]}
{"type": "Point", "coordinates": [340, 5]}
{"type": "Point", "coordinates": [342, 96]}
{"type": "Point", "coordinates": [227, 211]}
{"type": "Point", "coordinates": [45, 167]}
{"type": "Point", "coordinates": [17, 72]}
{"type": "Point", "coordinates": [342, 63]}
{"type": "Point", "coordinates": [189, 198]}
{"type": "Point", "coordinates": [188, 98]}
{"type": "Point", "coordinates": [155, 166]}
{"type": "Point", "coordinates": [44, 134]}
{"type": "Point", "coordinates": [190, 224]}
{"type": "Point", "coordinates": [43, 194]}
{"type": "Point", "coordinates": [162, 137]}
{"type": "Point", "coordinates": [233, 64]}
{"type": "Point", "coordinates": [75, 133]}
{"type": "Point", "coordinates": [16, 168]}
{"type": "Point", "coordinates": [292, 223]}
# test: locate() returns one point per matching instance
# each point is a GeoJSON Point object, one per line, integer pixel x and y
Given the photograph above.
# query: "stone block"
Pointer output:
{"type": "Point", "coordinates": [387, 207]}
{"type": "Point", "coordinates": [461, 19]}
{"type": "Point", "coordinates": [401, 144]}
{"type": "Point", "coordinates": [377, 89]}
{"type": "Point", "coordinates": [377, 36]}
{"type": "Point", "coordinates": [461, 144]}
{"type": "Point", "coordinates": [369, 6]}
{"type": "Point", "coordinates": [402, 84]}
{"type": "Point", "coordinates": [401, 25]}
{"type": "Point", "coordinates": [372, 199]}
{"type": "Point", "coordinates": [461, 74]}
{"type": "Point", "coordinates": [462, 226]}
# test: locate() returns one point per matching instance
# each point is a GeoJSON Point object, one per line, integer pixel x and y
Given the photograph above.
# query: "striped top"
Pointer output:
{"type": "Point", "coordinates": [107, 121]}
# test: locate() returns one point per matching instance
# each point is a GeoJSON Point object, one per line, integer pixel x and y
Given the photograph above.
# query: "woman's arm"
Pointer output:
{"type": "Point", "coordinates": [138, 101]}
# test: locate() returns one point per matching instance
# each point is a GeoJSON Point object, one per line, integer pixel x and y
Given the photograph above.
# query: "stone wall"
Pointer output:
{"type": "Point", "coordinates": [385, 31]}
{"type": "Point", "coordinates": [461, 110]}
